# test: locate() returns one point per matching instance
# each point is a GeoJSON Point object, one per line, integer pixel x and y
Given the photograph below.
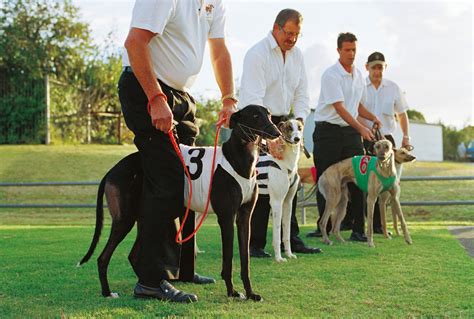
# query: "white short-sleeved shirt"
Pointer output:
{"type": "Point", "coordinates": [182, 28]}
{"type": "Point", "coordinates": [275, 83]}
{"type": "Point", "coordinates": [337, 85]}
{"type": "Point", "coordinates": [384, 102]}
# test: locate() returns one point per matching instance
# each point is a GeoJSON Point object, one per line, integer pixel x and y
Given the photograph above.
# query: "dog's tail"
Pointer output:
{"type": "Point", "coordinates": [99, 222]}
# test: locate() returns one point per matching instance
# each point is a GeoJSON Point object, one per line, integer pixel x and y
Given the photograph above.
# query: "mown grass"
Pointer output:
{"type": "Point", "coordinates": [39, 249]}
{"type": "Point", "coordinates": [434, 278]}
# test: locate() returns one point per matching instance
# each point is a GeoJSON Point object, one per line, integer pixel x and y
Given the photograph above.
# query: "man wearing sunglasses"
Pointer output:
{"type": "Point", "coordinates": [274, 76]}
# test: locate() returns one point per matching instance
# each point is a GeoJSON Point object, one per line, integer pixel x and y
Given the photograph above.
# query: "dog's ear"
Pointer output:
{"type": "Point", "coordinates": [234, 119]}
{"type": "Point", "coordinates": [281, 125]}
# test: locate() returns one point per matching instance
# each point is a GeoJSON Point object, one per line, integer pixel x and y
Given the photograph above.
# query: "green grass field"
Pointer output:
{"type": "Point", "coordinates": [39, 249]}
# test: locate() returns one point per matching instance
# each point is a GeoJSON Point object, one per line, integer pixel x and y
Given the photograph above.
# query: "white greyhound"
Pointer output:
{"type": "Point", "coordinates": [280, 178]}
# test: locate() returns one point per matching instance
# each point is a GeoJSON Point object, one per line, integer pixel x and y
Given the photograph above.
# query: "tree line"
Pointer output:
{"type": "Point", "coordinates": [46, 39]}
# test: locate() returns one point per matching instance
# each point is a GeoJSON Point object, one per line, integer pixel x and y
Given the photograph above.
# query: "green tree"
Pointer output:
{"type": "Point", "coordinates": [451, 140]}
{"type": "Point", "coordinates": [416, 116]}
{"type": "Point", "coordinates": [36, 38]}
{"type": "Point", "coordinates": [47, 37]}
{"type": "Point", "coordinates": [467, 134]}
{"type": "Point", "coordinates": [41, 37]}
{"type": "Point", "coordinates": [207, 115]}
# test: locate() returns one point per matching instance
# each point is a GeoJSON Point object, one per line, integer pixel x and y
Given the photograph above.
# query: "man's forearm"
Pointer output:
{"type": "Point", "coordinates": [404, 123]}
{"type": "Point", "coordinates": [363, 112]}
{"type": "Point", "coordinates": [222, 65]}
{"type": "Point", "coordinates": [346, 116]}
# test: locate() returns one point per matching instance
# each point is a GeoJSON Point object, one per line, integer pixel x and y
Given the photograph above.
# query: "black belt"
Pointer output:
{"type": "Point", "coordinates": [327, 124]}
{"type": "Point", "coordinates": [128, 69]}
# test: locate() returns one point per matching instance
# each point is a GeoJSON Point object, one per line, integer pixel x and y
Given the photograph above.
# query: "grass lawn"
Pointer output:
{"type": "Point", "coordinates": [39, 249]}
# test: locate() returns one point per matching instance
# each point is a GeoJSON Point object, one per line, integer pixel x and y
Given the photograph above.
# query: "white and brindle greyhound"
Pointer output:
{"type": "Point", "coordinates": [373, 175]}
{"type": "Point", "coordinates": [279, 179]}
{"type": "Point", "coordinates": [233, 196]}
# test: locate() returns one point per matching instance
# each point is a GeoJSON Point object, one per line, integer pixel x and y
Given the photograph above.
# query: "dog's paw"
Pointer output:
{"type": "Point", "coordinates": [291, 256]}
{"type": "Point", "coordinates": [237, 295]}
{"type": "Point", "coordinates": [327, 242]}
{"type": "Point", "coordinates": [371, 244]}
{"type": "Point", "coordinates": [340, 239]}
{"type": "Point", "coordinates": [254, 297]}
{"type": "Point", "coordinates": [280, 259]}
{"type": "Point", "coordinates": [409, 241]}
{"type": "Point", "coordinates": [113, 295]}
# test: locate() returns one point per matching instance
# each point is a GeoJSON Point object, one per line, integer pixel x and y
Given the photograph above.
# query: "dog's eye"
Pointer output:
{"type": "Point", "coordinates": [256, 116]}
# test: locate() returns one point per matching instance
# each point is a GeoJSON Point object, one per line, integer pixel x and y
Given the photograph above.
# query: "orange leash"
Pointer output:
{"type": "Point", "coordinates": [186, 214]}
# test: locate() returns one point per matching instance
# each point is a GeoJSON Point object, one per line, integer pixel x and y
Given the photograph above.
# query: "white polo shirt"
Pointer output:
{"type": "Point", "coordinates": [337, 85]}
{"type": "Point", "coordinates": [182, 28]}
{"type": "Point", "coordinates": [276, 84]}
{"type": "Point", "coordinates": [384, 102]}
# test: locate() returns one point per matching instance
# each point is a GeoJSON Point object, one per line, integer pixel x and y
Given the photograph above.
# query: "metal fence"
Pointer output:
{"type": "Point", "coordinates": [302, 204]}
{"type": "Point", "coordinates": [311, 202]}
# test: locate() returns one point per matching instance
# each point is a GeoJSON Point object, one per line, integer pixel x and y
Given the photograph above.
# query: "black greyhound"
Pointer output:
{"type": "Point", "coordinates": [123, 184]}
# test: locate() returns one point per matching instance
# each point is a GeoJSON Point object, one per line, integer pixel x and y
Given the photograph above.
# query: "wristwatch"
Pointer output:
{"type": "Point", "coordinates": [407, 137]}
{"type": "Point", "coordinates": [230, 96]}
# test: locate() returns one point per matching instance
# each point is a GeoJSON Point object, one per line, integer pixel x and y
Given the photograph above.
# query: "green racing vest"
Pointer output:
{"type": "Point", "coordinates": [362, 166]}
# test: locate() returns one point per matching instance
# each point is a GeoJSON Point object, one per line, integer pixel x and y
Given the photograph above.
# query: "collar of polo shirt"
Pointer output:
{"type": "Point", "coordinates": [369, 83]}
{"type": "Point", "coordinates": [343, 71]}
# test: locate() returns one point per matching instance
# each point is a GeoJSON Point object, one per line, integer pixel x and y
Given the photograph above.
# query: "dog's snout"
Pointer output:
{"type": "Point", "coordinates": [297, 139]}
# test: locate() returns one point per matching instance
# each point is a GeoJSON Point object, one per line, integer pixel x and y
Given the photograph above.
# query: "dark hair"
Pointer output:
{"type": "Point", "coordinates": [288, 14]}
{"type": "Point", "coordinates": [345, 37]}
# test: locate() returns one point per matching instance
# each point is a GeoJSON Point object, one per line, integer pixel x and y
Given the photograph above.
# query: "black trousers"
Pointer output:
{"type": "Point", "coordinates": [369, 146]}
{"type": "Point", "coordinates": [333, 143]}
{"type": "Point", "coordinates": [155, 254]}
{"type": "Point", "coordinates": [261, 214]}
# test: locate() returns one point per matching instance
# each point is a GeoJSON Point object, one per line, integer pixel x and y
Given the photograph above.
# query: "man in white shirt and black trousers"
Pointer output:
{"type": "Point", "coordinates": [338, 134]}
{"type": "Point", "coordinates": [274, 76]}
{"type": "Point", "coordinates": [164, 53]}
{"type": "Point", "coordinates": [386, 100]}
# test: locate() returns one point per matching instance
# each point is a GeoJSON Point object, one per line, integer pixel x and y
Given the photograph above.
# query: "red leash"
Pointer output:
{"type": "Point", "coordinates": [176, 147]}
{"type": "Point", "coordinates": [178, 151]}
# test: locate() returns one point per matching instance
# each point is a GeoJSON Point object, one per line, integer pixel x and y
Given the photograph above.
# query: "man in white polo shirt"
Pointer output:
{"type": "Point", "coordinates": [386, 100]}
{"type": "Point", "coordinates": [337, 134]}
{"type": "Point", "coordinates": [164, 54]}
{"type": "Point", "coordinates": [274, 76]}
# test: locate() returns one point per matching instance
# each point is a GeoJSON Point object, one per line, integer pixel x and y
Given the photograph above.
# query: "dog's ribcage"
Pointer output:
{"type": "Point", "coordinates": [199, 163]}
{"type": "Point", "coordinates": [265, 161]}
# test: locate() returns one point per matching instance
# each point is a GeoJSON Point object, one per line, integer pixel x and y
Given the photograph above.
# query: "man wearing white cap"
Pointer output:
{"type": "Point", "coordinates": [384, 99]}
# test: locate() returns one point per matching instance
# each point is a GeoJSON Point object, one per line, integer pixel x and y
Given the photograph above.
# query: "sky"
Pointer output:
{"type": "Point", "coordinates": [428, 45]}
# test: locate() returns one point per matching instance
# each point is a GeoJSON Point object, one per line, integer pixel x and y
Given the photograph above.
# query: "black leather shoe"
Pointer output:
{"type": "Point", "coordinates": [355, 236]}
{"type": "Point", "coordinates": [306, 250]}
{"type": "Point", "coordinates": [259, 253]}
{"type": "Point", "coordinates": [165, 291]}
{"type": "Point", "coordinates": [315, 233]}
{"type": "Point", "coordinates": [379, 230]}
{"type": "Point", "coordinates": [201, 280]}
